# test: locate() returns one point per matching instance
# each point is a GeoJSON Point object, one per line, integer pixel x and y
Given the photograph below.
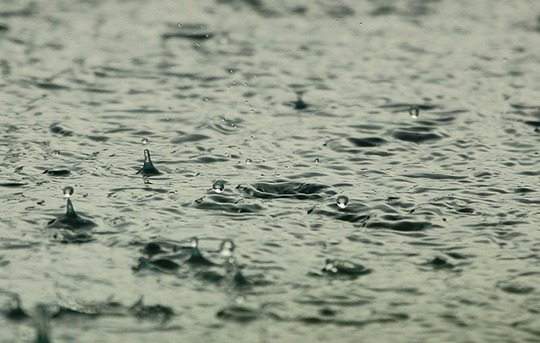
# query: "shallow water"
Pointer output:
{"type": "Point", "coordinates": [290, 105]}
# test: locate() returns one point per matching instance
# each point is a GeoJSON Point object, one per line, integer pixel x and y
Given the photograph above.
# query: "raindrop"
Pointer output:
{"type": "Point", "coordinates": [144, 141]}
{"type": "Point", "coordinates": [316, 160]}
{"type": "Point", "coordinates": [342, 201]}
{"type": "Point", "coordinates": [194, 243]}
{"type": "Point", "coordinates": [249, 161]}
{"type": "Point", "coordinates": [68, 191]}
{"type": "Point", "coordinates": [226, 249]}
{"type": "Point", "coordinates": [414, 111]}
{"type": "Point", "coordinates": [218, 186]}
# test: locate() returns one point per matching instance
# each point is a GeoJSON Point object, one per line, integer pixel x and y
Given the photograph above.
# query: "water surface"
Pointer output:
{"type": "Point", "coordinates": [258, 115]}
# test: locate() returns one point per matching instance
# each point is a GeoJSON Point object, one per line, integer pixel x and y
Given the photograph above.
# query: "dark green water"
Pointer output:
{"type": "Point", "coordinates": [288, 105]}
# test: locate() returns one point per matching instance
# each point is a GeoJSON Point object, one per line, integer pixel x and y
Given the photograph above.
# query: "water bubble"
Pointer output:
{"type": "Point", "coordinates": [414, 112]}
{"type": "Point", "coordinates": [218, 186]}
{"type": "Point", "coordinates": [226, 249]}
{"type": "Point", "coordinates": [68, 191]}
{"type": "Point", "coordinates": [144, 141]}
{"type": "Point", "coordinates": [249, 161]}
{"type": "Point", "coordinates": [342, 201]}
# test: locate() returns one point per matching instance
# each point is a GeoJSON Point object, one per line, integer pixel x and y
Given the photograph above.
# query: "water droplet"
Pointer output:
{"type": "Point", "coordinates": [56, 152]}
{"type": "Point", "coordinates": [218, 186]}
{"type": "Point", "coordinates": [194, 243]}
{"type": "Point", "coordinates": [249, 161]}
{"type": "Point", "coordinates": [68, 191]}
{"type": "Point", "coordinates": [342, 201]}
{"type": "Point", "coordinates": [227, 248]}
{"type": "Point", "coordinates": [179, 25]}
{"type": "Point", "coordinates": [144, 141]}
{"type": "Point", "coordinates": [414, 111]}
{"type": "Point", "coordinates": [316, 160]}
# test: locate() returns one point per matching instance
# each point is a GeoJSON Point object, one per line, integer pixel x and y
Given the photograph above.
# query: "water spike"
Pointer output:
{"type": "Point", "coordinates": [196, 258]}
{"type": "Point", "coordinates": [147, 159]}
{"type": "Point", "coordinates": [299, 104]}
{"type": "Point", "coordinates": [70, 211]}
{"type": "Point", "coordinates": [148, 167]}
{"type": "Point", "coordinates": [43, 328]}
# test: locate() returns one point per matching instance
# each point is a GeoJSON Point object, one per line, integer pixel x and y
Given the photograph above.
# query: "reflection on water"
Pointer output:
{"type": "Point", "coordinates": [324, 171]}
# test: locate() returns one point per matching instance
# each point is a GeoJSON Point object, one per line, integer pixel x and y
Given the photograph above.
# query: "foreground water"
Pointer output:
{"type": "Point", "coordinates": [322, 170]}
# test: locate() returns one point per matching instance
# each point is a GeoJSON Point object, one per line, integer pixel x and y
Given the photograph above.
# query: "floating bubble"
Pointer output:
{"type": "Point", "coordinates": [342, 201]}
{"type": "Point", "coordinates": [144, 141]}
{"type": "Point", "coordinates": [414, 111]}
{"type": "Point", "coordinates": [218, 186]}
{"type": "Point", "coordinates": [68, 191]}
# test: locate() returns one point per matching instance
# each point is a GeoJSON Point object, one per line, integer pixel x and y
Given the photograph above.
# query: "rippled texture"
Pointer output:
{"type": "Point", "coordinates": [289, 104]}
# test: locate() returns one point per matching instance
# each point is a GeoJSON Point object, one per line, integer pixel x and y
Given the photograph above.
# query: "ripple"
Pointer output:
{"type": "Point", "coordinates": [285, 189]}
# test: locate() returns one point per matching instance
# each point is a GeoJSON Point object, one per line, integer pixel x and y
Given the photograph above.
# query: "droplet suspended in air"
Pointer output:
{"type": "Point", "coordinates": [414, 111]}
{"type": "Point", "coordinates": [144, 141]}
{"type": "Point", "coordinates": [299, 104]}
{"type": "Point", "coordinates": [194, 243]}
{"type": "Point", "coordinates": [226, 249]}
{"type": "Point", "coordinates": [218, 186]}
{"type": "Point", "coordinates": [68, 191]}
{"type": "Point", "coordinates": [342, 201]}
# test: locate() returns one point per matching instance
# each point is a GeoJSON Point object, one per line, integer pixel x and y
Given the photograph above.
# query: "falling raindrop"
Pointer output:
{"type": "Point", "coordinates": [342, 201]}
{"type": "Point", "coordinates": [414, 112]}
{"type": "Point", "coordinates": [144, 141]}
{"type": "Point", "coordinates": [218, 186]}
{"type": "Point", "coordinates": [249, 161]}
{"type": "Point", "coordinates": [194, 243]}
{"type": "Point", "coordinates": [316, 160]}
{"type": "Point", "coordinates": [68, 191]}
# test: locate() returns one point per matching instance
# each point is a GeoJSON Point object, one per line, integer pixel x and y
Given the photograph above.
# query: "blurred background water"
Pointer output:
{"type": "Point", "coordinates": [352, 170]}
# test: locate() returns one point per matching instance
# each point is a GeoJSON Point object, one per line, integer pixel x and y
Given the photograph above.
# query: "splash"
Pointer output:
{"type": "Point", "coordinates": [148, 168]}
